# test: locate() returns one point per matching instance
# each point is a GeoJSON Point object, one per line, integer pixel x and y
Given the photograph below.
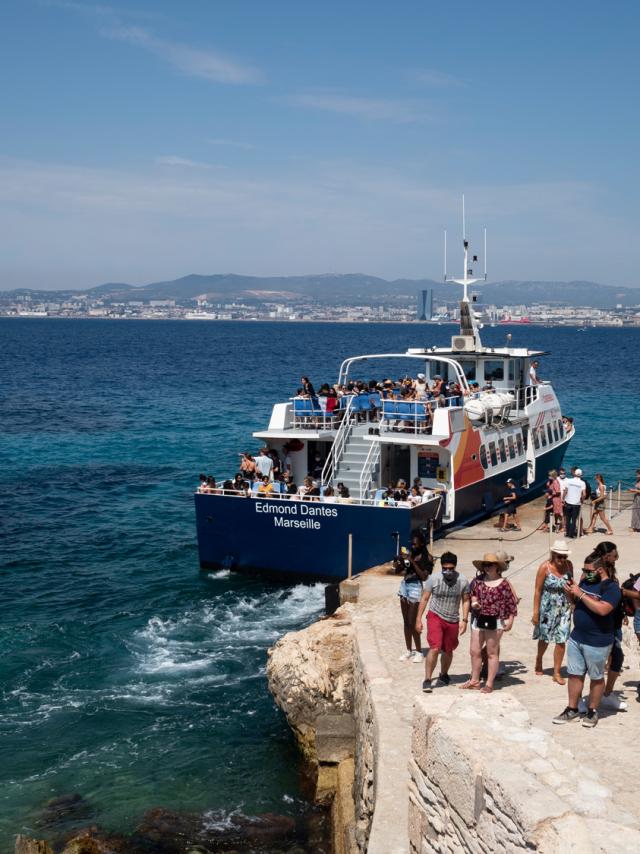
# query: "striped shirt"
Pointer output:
{"type": "Point", "coordinates": [445, 598]}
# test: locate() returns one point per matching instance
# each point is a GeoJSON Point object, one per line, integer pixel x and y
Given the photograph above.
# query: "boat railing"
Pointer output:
{"type": "Point", "coordinates": [309, 414]}
{"type": "Point", "coordinates": [349, 418]}
{"type": "Point", "coordinates": [370, 464]}
{"type": "Point", "coordinates": [526, 395]}
{"type": "Point", "coordinates": [375, 501]}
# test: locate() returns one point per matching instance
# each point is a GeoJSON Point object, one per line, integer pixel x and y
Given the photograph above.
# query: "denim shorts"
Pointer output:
{"type": "Point", "coordinates": [636, 622]}
{"type": "Point", "coordinates": [582, 658]}
{"type": "Point", "coordinates": [410, 590]}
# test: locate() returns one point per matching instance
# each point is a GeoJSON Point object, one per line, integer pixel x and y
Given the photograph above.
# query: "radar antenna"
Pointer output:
{"type": "Point", "coordinates": [468, 322]}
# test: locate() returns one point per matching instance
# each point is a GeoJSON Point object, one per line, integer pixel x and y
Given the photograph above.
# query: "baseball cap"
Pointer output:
{"type": "Point", "coordinates": [578, 472]}
{"type": "Point", "coordinates": [420, 376]}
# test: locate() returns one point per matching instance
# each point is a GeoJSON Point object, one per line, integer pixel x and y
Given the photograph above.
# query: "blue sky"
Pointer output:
{"type": "Point", "coordinates": [146, 140]}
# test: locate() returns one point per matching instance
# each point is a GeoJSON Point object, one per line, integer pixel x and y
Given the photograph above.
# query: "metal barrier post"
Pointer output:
{"type": "Point", "coordinates": [350, 557]}
{"type": "Point", "coordinates": [619, 495]}
{"type": "Point", "coordinates": [610, 501]}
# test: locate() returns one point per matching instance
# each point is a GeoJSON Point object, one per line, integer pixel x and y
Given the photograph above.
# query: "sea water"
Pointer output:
{"type": "Point", "coordinates": [127, 675]}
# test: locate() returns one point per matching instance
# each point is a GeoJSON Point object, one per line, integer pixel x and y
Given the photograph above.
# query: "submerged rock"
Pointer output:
{"type": "Point", "coordinates": [310, 674]}
{"type": "Point", "coordinates": [163, 831]}
{"type": "Point", "coordinates": [64, 809]}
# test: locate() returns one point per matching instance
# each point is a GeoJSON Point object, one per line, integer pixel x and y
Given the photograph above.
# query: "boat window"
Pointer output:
{"type": "Point", "coordinates": [512, 447]}
{"type": "Point", "coordinates": [503, 452]}
{"type": "Point", "coordinates": [536, 440]}
{"type": "Point", "coordinates": [468, 368]}
{"type": "Point", "coordinates": [543, 437]}
{"type": "Point", "coordinates": [439, 369]}
{"type": "Point", "coordinates": [561, 429]}
{"type": "Point", "coordinates": [520, 445]}
{"type": "Point", "coordinates": [493, 454]}
{"type": "Point", "coordinates": [483, 457]}
{"type": "Point", "coordinates": [512, 371]}
{"type": "Point", "coordinates": [550, 433]}
{"type": "Point", "coordinates": [555, 431]}
{"type": "Point", "coordinates": [494, 370]}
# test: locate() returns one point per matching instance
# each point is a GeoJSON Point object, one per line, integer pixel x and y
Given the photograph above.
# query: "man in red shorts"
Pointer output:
{"type": "Point", "coordinates": [444, 593]}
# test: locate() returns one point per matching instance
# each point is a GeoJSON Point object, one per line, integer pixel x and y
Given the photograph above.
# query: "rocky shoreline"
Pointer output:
{"type": "Point", "coordinates": [164, 831]}
{"type": "Point", "coordinates": [315, 678]}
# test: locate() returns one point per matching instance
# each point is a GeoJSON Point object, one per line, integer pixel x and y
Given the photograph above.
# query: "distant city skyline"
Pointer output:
{"type": "Point", "coordinates": [144, 141]}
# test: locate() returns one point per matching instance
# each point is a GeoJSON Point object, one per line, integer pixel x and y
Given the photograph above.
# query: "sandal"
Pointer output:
{"type": "Point", "coordinates": [559, 680]}
{"type": "Point", "coordinates": [486, 690]}
{"type": "Point", "coordinates": [470, 685]}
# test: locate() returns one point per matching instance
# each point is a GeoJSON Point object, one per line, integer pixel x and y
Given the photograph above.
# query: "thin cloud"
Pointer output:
{"type": "Point", "coordinates": [375, 109]}
{"type": "Point", "coordinates": [192, 61]}
{"type": "Point", "coordinates": [435, 79]}
{"type": "Point", "coordinates": [174, 160]}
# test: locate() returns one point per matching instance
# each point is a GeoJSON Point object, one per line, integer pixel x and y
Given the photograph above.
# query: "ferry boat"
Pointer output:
{"type": "Point", "coordinates": [463, 447]}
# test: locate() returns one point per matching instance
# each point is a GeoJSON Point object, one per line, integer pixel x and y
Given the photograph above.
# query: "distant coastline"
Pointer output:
{"type": "Point", "coordinates": [548, 324]}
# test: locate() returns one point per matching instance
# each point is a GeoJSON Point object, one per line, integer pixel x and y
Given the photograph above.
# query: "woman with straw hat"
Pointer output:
{"type": "Point", "coordinates": [494, 607]}
{"type": "Point", "coordinates": [551, 607]}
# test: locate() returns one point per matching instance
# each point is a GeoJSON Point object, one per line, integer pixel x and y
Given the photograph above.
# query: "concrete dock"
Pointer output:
{"type": "Point", "coordinates": [610, 749]}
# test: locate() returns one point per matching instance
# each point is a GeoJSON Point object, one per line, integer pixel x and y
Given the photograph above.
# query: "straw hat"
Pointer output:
{"type": "Point", "coordinates": [561, 547]}
{"type": "Point", "coordinates": [490, 558]}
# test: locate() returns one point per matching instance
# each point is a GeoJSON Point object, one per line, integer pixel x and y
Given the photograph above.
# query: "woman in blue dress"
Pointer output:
{"type": "Point", "coordinates": [551, 607]}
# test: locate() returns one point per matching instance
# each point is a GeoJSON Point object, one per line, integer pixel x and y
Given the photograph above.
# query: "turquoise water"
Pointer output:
{"type": "Point", "coordinates": [127, 675]}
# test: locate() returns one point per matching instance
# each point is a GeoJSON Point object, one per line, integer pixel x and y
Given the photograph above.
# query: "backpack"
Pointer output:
{"type": "Point", "coordinates": [627, 603]}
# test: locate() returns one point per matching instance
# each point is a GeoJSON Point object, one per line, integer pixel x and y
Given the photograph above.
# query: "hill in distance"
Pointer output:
{"type": "Point", "coordinates": [349, 288]}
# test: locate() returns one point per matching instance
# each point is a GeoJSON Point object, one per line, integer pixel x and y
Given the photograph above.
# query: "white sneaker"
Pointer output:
{"type": "Point", "coordinates": [417, 658]}
{"type": "Point", "coordinates": [614, 702]}
{"type": "Point", "coordinates": [406, 656]}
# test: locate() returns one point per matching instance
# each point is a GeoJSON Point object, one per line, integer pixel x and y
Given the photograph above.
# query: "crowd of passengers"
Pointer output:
{"type": "Point", "coordinates": [331, 400]}
{"type": "Point", "coordinates": [266, 475]}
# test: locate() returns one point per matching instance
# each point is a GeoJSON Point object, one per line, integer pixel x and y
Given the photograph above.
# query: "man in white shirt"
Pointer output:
{"type": "Point", "coordinates": [574, 491]}
{"type": "Point", "coordinates": [264, 463]}
{"type": "Point", "coordinates": [533, 373]}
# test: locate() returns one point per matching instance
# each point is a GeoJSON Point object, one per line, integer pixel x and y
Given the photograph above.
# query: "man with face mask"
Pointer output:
{"type": "Point", "coordinates": [596, 600]}
{"type": "Point", "coordinates": [444, 593]}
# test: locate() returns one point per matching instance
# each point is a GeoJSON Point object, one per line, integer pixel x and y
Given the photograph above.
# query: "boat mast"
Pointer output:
{"type": "Point", "coordinates": [468, 323]}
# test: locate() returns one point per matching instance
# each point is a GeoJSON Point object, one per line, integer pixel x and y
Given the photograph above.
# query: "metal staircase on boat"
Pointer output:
{"type": "Point", "coordinates": [357, 459]}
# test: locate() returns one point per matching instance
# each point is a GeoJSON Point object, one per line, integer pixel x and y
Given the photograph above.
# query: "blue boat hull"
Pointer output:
{"type": "Point", "coordinates": [308, 540]}
{"type": "Point", "coordinates": [301, 539]}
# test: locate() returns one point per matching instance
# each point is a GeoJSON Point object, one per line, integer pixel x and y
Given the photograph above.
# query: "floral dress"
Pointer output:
{"type": "Point", "coordinates": [554, 624]}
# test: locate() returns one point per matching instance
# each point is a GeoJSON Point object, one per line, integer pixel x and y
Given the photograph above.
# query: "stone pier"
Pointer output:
{"type": "Point", "coordinates": [458, 771]}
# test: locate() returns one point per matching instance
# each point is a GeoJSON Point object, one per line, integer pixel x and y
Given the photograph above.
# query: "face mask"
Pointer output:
{"type": "Point", "coordinates": [449, 575]}
{"type": "Point", "coordinates": [591, 577]}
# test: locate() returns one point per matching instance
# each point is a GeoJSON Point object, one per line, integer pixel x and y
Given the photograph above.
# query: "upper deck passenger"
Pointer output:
{"type": "Point", "coordinates": [533, 373]}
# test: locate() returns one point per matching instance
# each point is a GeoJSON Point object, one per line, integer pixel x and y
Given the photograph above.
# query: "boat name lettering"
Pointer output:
{"type": "Point", "coordinates": [281, 508]}
{"type": "Point", "coordinates": [281, 522]}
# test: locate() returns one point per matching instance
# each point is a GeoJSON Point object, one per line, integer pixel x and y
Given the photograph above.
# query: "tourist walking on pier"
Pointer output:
{"type": "Point", "coordinates": [494, 607]}
{"type": "Point", "coordinates": [596, 599]}
{"type": "Point", "coordinates": [573, 494]}
{"type": "Point", "coordinates": [635, 507]}
{"type": "Point", "coordinates": [416, 565]}
{"type": "Point", "coordinates": [597, 507]}
{"type": "Point", "coordinates": [444, 594]}
{"type": "Point", "coordinates": [552, 608]}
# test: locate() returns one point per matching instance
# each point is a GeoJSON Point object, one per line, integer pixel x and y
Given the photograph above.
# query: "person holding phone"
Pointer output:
{"type": "Point", "coordinates": [596, 598]}
{"type": "Point", "coordinates": [493, 608]}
